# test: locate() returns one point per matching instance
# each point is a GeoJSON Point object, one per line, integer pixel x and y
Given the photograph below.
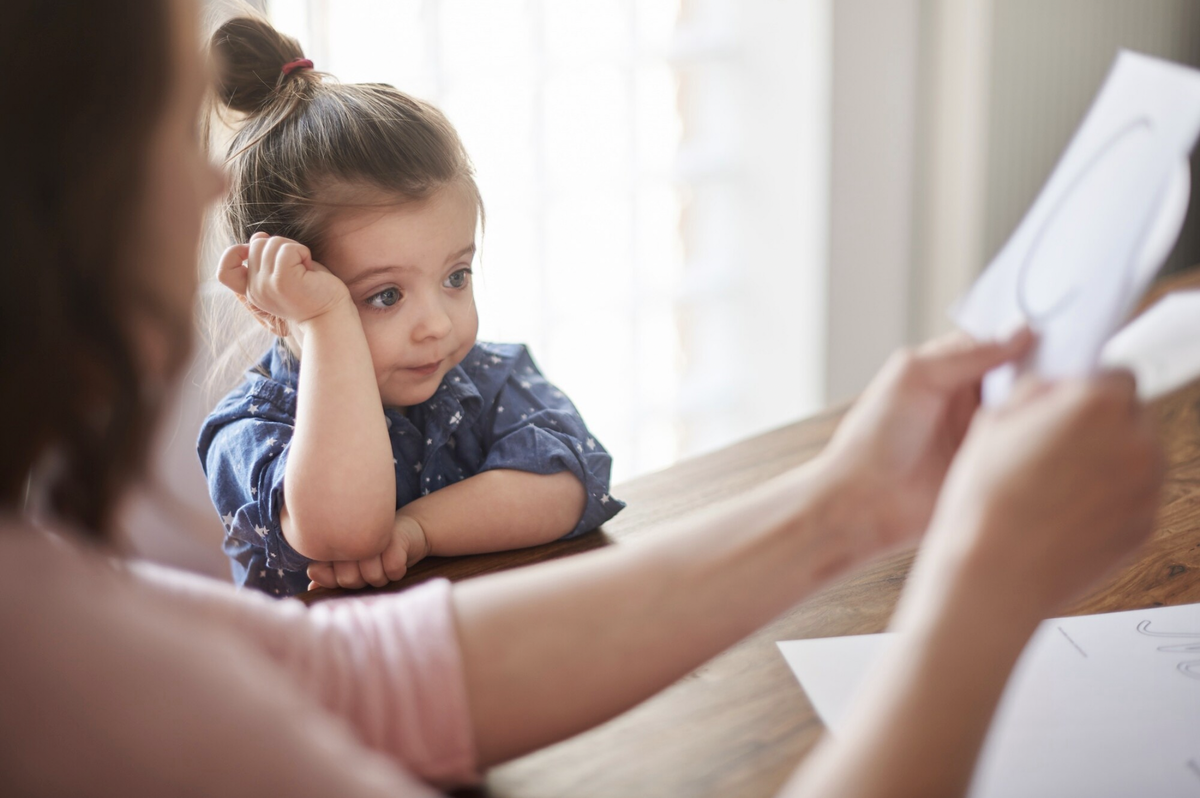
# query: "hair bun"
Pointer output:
{"type": "Point", "coordinates": [249, 57]}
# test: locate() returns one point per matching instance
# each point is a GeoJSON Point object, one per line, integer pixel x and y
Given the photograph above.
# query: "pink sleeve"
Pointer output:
{"type": "Point", "coordinates": [389, 665]}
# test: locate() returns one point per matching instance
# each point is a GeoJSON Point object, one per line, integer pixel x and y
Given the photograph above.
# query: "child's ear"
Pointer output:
{"type": "Point", "coordinates": [274, 324]}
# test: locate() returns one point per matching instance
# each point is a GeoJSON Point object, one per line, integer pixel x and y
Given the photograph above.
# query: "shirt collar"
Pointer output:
{"type": "Point", "coordinates": [281, 365]}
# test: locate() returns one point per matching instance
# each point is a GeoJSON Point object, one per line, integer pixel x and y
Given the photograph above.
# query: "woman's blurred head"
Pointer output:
{"type": "Point", "coordinates": [105, 182]}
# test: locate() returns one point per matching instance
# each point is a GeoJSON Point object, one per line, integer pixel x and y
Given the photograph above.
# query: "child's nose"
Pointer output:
{"type": "Point", "coordinates": [432, 321]}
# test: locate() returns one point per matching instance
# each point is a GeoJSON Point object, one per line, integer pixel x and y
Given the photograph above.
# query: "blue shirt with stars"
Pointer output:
{"type": "Point", "coordinates": [493, 410]}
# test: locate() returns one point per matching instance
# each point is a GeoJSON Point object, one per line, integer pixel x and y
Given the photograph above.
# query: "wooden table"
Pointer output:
{"type": "Point", "coordinates": [738, 725]}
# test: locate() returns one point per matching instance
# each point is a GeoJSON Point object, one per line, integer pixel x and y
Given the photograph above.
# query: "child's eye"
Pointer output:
{"type": "Point", "coordinates": [458, 280]}
{"type": "Point", "coordinates": [385, 298]}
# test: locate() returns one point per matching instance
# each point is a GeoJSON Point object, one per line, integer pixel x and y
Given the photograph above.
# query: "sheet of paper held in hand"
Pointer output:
{"type": "Point", "coordinates": [1097, 706]}
{"type": "Point", "coordinates": [1101, 227]}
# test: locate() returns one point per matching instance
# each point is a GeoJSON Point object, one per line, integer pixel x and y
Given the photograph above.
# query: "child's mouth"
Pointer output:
{"type": "Point", "coordinates": [426, 370]}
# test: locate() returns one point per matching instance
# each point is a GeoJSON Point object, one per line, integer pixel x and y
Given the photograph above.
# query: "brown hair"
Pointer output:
{"type": "Point", "coordinates": [305, 146]}
{"type": "Point", "coordinates": [76, 140]}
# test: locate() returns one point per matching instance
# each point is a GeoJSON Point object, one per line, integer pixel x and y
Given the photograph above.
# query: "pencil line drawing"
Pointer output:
{"type": "Point", "coordinates": [1072, 642]}
{"type": "Point", "coordinates": [1035, 316]}
{"type": "Point", "coordinates": [1189, 668]}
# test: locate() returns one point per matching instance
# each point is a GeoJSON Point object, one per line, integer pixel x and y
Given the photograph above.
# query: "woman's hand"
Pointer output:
{"type": "Point", "coordinates": [407, 547]}
{"type": "Point", "coordinates": [279, 282]}
{"type": "Point", "coordinates": [1050, 492]}
{"type": "Point", "coordinates": [1047, 494]}
{"type": "Point", "coordinates": [895, 445]}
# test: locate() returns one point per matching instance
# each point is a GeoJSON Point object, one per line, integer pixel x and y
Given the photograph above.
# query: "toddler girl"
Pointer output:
{"type": "Point", "coordinates": [376, 430]}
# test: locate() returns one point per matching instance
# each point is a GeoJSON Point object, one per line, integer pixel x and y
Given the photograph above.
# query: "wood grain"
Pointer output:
{"type": "Point", "coordinates": [738, 725]}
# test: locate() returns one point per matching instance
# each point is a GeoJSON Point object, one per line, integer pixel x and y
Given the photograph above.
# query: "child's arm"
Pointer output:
{"type": "Point", "coordinates": [493, 511]}
{"type": "Point", "coordinates": [339, 485]}
{"type": "Point", "coordinates": [545, 476]}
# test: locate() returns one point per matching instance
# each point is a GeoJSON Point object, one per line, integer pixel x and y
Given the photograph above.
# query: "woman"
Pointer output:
{"type": "Point", "coordinates": [135, 681]}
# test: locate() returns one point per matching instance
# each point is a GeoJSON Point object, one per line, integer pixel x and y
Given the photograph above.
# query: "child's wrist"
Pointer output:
{"type": "Point", "coordinates": [336, 314]}
{"type": "Point", "coordinates": [412, 528]}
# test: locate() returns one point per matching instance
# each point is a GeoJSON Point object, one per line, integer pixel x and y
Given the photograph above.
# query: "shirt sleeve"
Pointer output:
{"type": "Point", "coordinates": [536, 428]}
{"type": "Point", "coordinates": [390, 666]}
{"type": "Point", "coordinates": [244, 449]}
{"type": "Point", "coordinates": [171, 684]}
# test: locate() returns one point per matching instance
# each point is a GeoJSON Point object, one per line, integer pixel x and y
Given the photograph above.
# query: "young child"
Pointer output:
{"type": "Point", "coordinates": [376, 430]}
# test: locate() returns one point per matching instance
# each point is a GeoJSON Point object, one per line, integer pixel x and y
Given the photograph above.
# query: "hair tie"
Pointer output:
{"type": "Point", "coordinates": [299, 63]}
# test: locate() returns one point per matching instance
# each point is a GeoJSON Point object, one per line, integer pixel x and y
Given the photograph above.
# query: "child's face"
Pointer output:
{"type": "Point", "coordinates": [408, 269]}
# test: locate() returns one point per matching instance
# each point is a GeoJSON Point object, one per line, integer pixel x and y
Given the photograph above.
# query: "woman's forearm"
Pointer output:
{"type": "Point", "coordinates": [340, 484]}
{"type": "Point", "coordinates": [498, 510]}
{"type": "Point", "coordinates": [918, 725]}
{"type": "Point", "coordinates": [554, 649]}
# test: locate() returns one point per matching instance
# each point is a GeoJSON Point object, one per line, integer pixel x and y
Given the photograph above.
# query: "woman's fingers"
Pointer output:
{"type": "Point", "coordinates": [955, 360]}
{"type": "Point", "coordinates": [231, 270]}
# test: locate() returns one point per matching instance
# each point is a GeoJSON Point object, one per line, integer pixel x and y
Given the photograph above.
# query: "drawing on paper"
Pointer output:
{"type": "Point", "coordinates": [1189, 668]}
{"type": "Point", "coordinates": [1125, 137]}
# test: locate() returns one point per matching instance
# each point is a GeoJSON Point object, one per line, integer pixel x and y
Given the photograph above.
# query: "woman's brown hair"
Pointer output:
{"type": "Point", "coordinates": [88, 82]}
{"type": "Point", "coordinates": [305, 146]}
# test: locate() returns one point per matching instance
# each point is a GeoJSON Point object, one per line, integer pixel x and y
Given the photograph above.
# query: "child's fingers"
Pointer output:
{"type": "Point", "coordinates": [254, 262]}
{"type": "Point", "coordinates": [270, 255]}
{"type": "Point", "coordinates": [291, 253]}
{"type": "Point", "coordinates": [322, 574]}
{"type": "Point", "coordinates": [395, 563]}
{"type": "Point", "coordinates": [231, 270]}
{"type": "Point", "coordinates": [348, 575]}
{"type": "Point", "coordinates": [372, 571]}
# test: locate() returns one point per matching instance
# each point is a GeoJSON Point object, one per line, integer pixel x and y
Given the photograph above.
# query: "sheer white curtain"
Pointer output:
{"type": "Point", "coordinates": [664, 266]}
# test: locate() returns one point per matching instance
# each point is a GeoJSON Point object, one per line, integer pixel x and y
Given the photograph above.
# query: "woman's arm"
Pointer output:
{"type": "Point", "coordinates": [339, 483]}
{"type": "Point", "coordinates": [1048, 494]}
{"type": "Point", "coordinates": [554, 649]}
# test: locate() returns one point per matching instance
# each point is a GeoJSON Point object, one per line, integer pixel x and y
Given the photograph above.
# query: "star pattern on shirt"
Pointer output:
{"type": "Point", "coordinates": [496, 359]}
{"type": "Point", "coordinates": [261, 531]}
{"type": "Point", "coordinates": [605, 499]}
{"type": "Point", "coordinates": [227, 519]}
{"type": "Point", "coordinates": [270, 441]}
{"type": "Point", "coordinates": [526, 384]}
{"type": "Point", "coordinates": [253, 491]}
{"type": "Point", "coordinates": [591, 443]}
{"type": "Point", "coordinates": [253, 408]}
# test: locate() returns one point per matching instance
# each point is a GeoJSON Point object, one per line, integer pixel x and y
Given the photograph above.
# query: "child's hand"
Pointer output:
{"type": "Point", "coordinates": [407, 547]}
{"type": "Point", "coordinates": [279, 282]}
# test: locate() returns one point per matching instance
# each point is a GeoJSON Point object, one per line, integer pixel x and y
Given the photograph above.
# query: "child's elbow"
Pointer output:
{"type": "Point", "coordinates": [336, 537]}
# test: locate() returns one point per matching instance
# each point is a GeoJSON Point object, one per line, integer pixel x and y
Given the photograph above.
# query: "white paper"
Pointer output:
{"type": "Point", "coordinates": [1097, 706]}
{"type": "Point", "coordinates": [1104, 221]}
{"type": "Point", "coordinates": [1161, 347]}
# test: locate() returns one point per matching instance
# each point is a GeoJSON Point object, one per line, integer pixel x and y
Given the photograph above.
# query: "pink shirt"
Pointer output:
{"type": "Point", "coordinates": [137, 680]}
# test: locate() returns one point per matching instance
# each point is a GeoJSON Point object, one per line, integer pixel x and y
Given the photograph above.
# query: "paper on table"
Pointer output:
{"type": "Point", "coordinates": [1161, 347]}
{"type": "Point", "coordinates": [1087, 248]}
{"type": "Point", "coordinates": [1099, 705]}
